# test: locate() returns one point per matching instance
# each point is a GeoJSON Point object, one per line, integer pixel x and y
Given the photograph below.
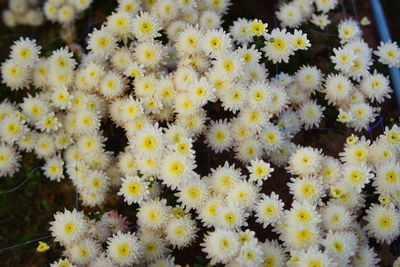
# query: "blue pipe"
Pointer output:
{"type": "Point", "coordinates": [384, 35]}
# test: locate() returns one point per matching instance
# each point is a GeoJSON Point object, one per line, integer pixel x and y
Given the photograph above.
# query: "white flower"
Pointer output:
{"type": "Point", "coordinates": [124, 249]}
{"type": "Point", "coordinates": [221, 245]}
{"type": "Point", "coordinates": [134, 189]}
{"type": "Point", "coordinates": [260, 171]}
{"type": "Point", "coordinates": [180, 232]}
{"type": "Point", "coordinates": [279, 46]}
{"type": "Point", "coordinates": [389, 54]}
{"type": "Point", "coordinates": [68, 227]}
{"type": "Point", "coordinates": [383, 223]}
{"type": "Point", "coordinates": [269, 209]}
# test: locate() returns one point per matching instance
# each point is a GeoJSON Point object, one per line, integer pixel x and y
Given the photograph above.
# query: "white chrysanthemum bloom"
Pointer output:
{"type": "Point", "coordinates": [240, 31]}
{"type": "Point", "coordinates": [331, 170]}
{"type": "Point", "coordinates": [309, 188]}
{"type": "Point", "coordinates": [305, 161]}
{"type": "Point", "coordinates": [254, 118]}
{"type": "Point", "coordinates": [337, 88]}
{"type": "Point", "coordinates": [259, 171]}
{"type": "Point", "coordinates": [258, 95]}
{"type": "Point", "coordinates": [234, 98]}
{"type": "Point", "coordinates": [348, 30]}
{"type": "Point", "coordinates": [228, 64]}
{"type": "Point", "coordinates": [120, 24]}
{"type": "Point", "coordinates": [189, 41]}
{"type": "Point", "coordinates": [87, 122]}
{"type": "Point", "coordinates": [25, 51]}
{"type": "Point", "coordinates": [184, 147]}
{"type": "Point", "coordinates": [343, 59]}
{"type": "Point", "coordinates": [248, 150]}
{"type": "Point", "coordinates": [27, 142]}
{"type": "Point", "coordinates": [175, 169]}
{"type": "Point", "coordinates": [40, 70]}
{"type": "Point", "coordinates": [81, 5]}
{"type": "Point", "coordinates": [289, 122]}
{"type": "Point", "coordinates": [392, 135]}
{"type": "Point", "coordinates": [311, 114]}
{"type": "Point", "coordinates": [279, 46]}
{"type": "Point", "coordinates": [247, 236]}
{"type": "Point", "coordinates": [320, 20]}
{"type": "Point", "coordinates": [149, 53]}
{"type": "Point", "coordinates": [344, 116]}
{"type": "Point", "coordinates": [326, 5]}
{"type": "Point", "coordinates": [340, 246]}
{"type": "Point", "coordinates": [209, 20]}
{"type": "Point", "coordinates": [9, 158]}
{"type": "Point", "coordinates": [360, 68]}
{"type": "Point", "coordinates": [48, 123]}
{"type": "Point", "coordinates": [61, 262]}
{"type": "Point", "coordinates": [53, 169]}
{"type": "Point", "coordinates": [300, 40]}
{"type": "Point", "coordinates": [101, 261]}
{"type": "Point", "coordinates": [224, 177]}
{"type": "Point", "coordinates": [244, 193]}
{"type": "Point", "coordinates": [219, 137]}
{"type": "Point", "coordinates": [145, 26]}
{"type": "Point", "coordinates": [241, 132]}
{"type": "Point", "coordinates": [15, 74]}
{"type": "Point", "coordinates": [300, 236]}
{"type": "Point", "coordinates": [61, 98]}
{"type": "Point", "coordinates": [249, 55]}
{"type": "Point", "coordinates": [381, 151]}
{"type": "Point", "coordinates": [221, 246]}
{"type": "Point", "coordinates": [134, 189]}
{"type": "Point", "coordinates": [12, 129]}
{"type": "Point", "coordinates": [387, 180]}
{"type": "Point", "coordinates": [131, 109]}
{"type": "Point", "coordinates": [102, 42]}
{"type": "Point", "coordinates": [130, 6]}
{"type": "Point", "coordinates": [185, 104]}
{"type": "Point", "coordinates": [363, 114]}
{"type": "Point", "coordinates": [313, 257]}
{"type": "Point", "coordinates": [302, 213]}
{"type": "Point", "coordinates": [282, 155]}
{"type": "Point", "coordinates": [376, 87]}
{"type": "Point", "coordinates": [68, 226]}
{"type": "Point", "coordinates": [231, 215]}
{"type": "Point", "coordinates": [216, 42]}
{"type": "Point", "coordinates": [112, 85]}
{"type": "Point", "coordinates": [366, 257]}
{"type": "Point", "coordinates": [164, 262]}
{"type": "Point", "coordinates": [84, 251]}
{"type": "Point", "coordinates": [309, 77]}
{"type": "Point", "coordinates": [208, 211]}
{"type": "Point", "coordinates": [389, 54]}
{"type": "Point", "coordinates": [124, 249]}
{"type": "Point", "coordinates": [148, 141]}
{"type": "Point", "coordinates": [62, 59]}
{"type": "Point", "coordinates": [335, 217]}
{"type": "Point", "coordinates": [134, 70]}
{"type": "Point", "coordinates": [383, 223]}
{"type": "Point", "coordinates": [193, 193]}
{"type": "Point", "coordinates": [290, 15]}
{"type": "Point", "coordinates": [153, 213]}
{"type": "Point", "coordinates": [180, 232]}
{"type": "Point", "coordinates": [355, 152]}
{"type": "Point", "coordinates": [273, 254]}
{"type": "Point", "coordinates": [357, 176]}
{"type": "Point", "coordinates": [250, 254]}
{"type": "Point", "coordinates": [154, 246]}
{"type": "Point", "coordinates": [271, 137]}
{"type": "Point", "coordinates": [269, 210]}
{"type": "Point", "coordinates": [120, 58]}
{"type": "Point", "coordinates": [66, 14]}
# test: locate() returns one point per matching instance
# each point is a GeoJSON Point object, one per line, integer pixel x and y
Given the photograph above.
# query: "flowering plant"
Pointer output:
{"type": "Point", "coordinates": [178, 85]}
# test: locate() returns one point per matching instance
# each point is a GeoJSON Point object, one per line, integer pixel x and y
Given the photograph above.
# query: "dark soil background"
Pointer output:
{"type": "Point", "coordinates": [25, 213]}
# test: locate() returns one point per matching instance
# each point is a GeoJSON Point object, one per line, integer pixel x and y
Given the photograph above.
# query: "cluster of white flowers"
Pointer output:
{"type": "Point", "coordinates": [23, 12]}
{"type": "Point", "coordinates": [65, 11]}
{"type": "Point", "coordinates": [161, 93]}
